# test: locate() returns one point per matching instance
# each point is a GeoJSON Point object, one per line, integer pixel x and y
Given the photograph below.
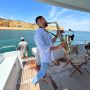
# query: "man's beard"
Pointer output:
{"type": "Point", "coordinates": [45, 24]}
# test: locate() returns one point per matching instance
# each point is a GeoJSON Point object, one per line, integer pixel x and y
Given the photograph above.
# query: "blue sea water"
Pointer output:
{"type": "Point", "coordinates": [9, 39]}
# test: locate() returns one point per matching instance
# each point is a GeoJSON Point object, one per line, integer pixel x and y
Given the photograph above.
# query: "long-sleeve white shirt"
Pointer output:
{"type": "Point", "coordinates": [43, 42]}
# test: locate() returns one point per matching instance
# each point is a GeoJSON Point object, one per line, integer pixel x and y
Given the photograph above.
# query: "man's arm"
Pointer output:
{"type": "Point", "coordinates": [54, 39]}
{"type": "Point", "coordinates": [27, 48]}
{"type": "Point", "coordinates": [19, 45]}
{"type": "Point", "coordinates": [18, 48]}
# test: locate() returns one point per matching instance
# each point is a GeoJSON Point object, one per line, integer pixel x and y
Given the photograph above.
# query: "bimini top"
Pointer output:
{"type": "Point", "coordinates": [82, 5]}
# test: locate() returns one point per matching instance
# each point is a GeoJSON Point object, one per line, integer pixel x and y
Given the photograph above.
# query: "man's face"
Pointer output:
{"type": "Point", "coordinates": [42, 22]}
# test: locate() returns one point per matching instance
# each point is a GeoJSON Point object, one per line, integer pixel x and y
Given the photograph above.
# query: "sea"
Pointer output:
{"type": "Point", "coordinates": [9, 39]}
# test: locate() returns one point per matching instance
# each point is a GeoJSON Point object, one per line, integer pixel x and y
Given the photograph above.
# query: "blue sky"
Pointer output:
{"type": "Point", "coordinates": [28, 10]}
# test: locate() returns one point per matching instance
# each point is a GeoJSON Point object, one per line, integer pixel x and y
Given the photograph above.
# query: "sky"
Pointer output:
{"type": "Point", "coordinates": [28, 10]}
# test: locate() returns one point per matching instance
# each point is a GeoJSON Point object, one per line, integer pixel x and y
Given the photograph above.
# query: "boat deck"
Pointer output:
{"type": "Point", "coordinates": [60, 76]}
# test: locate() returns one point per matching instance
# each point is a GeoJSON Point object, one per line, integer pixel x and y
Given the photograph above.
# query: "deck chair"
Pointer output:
{"type": "Point", "coordinates": [75, 59]}
{"type": "Point", "coordinates": [87, 53]}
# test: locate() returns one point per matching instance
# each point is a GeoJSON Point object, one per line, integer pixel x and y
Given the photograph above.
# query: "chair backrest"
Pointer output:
{"type": "Point", "coordinates": [74, 50]}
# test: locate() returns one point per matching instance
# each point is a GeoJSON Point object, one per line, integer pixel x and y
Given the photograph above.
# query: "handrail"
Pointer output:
{"type": "Point", "coordinates": [85, 41]}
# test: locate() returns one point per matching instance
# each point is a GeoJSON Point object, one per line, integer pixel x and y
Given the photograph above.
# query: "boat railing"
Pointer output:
{"type": "Point", "coordinates": [75, 42]}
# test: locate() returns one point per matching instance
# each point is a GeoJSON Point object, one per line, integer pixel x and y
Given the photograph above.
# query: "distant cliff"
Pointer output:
{"type": "Point", "coordinates": [20, 25]}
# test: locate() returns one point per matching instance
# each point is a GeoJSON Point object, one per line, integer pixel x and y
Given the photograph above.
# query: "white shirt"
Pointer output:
{"type": "Point", "coordinates": [23, 46]}
{"type": "Point", "coordinates": [43, 42]}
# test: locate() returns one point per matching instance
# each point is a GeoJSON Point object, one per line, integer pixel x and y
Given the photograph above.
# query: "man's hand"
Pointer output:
{"type": "Point", "coordinates": [58, 33]}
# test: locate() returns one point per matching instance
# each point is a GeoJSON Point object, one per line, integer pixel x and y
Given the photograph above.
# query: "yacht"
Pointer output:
{"type": "Point", "coordinates": [15, 76]}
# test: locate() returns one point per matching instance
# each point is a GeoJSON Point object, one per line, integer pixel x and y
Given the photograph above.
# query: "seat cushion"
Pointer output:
{"type": "Point", "coordinates": [78, 60]}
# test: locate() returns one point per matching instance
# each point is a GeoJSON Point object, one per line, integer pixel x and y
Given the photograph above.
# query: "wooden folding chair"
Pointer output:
{"type": "Point", "coordinates": [75, 59]}
{"type": "Point", "coordinates": [77, 63]}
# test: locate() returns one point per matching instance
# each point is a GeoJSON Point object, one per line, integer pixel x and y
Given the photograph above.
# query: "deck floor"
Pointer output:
{"type": "Point", "coordinates": [60, 76]}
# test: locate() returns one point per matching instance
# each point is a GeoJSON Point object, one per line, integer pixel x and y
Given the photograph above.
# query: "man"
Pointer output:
{"type": "Point", "coordinates": [23, 47]}
{"type": "Point", "coordinates": [44, 42]}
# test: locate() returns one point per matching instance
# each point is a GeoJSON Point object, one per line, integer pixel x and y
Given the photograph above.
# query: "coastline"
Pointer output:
{"type": "Point", "coordinates": [15, 28]}
{"type": "Point", "coordinates": [31, 28]}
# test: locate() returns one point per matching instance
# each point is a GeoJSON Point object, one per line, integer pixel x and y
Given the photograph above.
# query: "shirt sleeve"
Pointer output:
{"type": "Point", "coordinates": [39, 40]}
{"type": "Point", "coordinates": [19, 46]}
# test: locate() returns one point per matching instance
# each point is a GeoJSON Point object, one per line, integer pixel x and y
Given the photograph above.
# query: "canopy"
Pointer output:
{"type": "Point", "coordinates": [82, 5]}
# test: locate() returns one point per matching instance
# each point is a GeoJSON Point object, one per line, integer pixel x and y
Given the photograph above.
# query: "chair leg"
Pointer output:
{"type": "Point", "coordinates": [68, 62]}
{"type": "Point", "coordinates": [74, 72]}
{"type": "Point", "coordinates": [65, 65]}
{"type": "Point", "coordinates": [77, 68]}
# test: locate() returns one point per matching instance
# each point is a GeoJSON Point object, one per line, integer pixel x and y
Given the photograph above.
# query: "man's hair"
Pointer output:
{"type": "Point", "coordinates": [38, 18]}
{"type": "Point", "coordinates": [22, 40]}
